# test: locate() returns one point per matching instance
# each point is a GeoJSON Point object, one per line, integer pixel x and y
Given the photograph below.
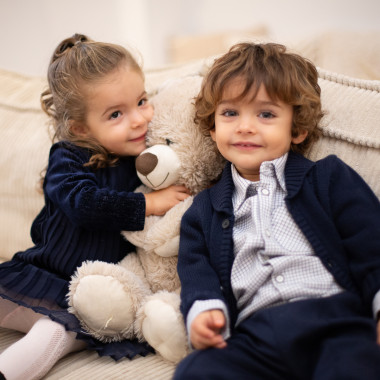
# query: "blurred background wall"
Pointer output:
{"type": "Point", "coordinates": [167, 31]}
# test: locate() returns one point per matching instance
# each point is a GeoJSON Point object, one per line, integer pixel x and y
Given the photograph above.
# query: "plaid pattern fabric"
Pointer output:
{"type": "Point", "coordinates": [274, 262]}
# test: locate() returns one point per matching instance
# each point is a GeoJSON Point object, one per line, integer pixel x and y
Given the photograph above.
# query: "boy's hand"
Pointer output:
{"type": "Point", "coordinates": [205, 330]}
{"type": "Point", "coordinates": [160, 201]}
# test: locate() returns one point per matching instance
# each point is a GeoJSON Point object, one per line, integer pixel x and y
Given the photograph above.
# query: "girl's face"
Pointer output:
{"type": "Point", "coordinates": [250, 131]}
{"type": "Point", "coordinates": [117, 113]}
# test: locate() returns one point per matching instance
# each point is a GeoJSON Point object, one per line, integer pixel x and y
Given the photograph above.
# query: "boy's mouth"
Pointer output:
{"type": "Point", "coordinates": [246, 145]}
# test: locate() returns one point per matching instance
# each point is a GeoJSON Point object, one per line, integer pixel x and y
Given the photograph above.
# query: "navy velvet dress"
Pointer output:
{"type": "Point", "coordinates": [84, 212]}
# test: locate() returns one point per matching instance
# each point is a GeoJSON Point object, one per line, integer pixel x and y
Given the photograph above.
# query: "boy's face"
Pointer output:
{"type": "Point", "coordinates": [251, 130]}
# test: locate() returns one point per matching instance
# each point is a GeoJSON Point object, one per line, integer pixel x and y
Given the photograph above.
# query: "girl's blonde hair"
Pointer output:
{"type": "Point", "coordinates": [286, 76]}
{"type": "Point", "coordinates": [79, 61]}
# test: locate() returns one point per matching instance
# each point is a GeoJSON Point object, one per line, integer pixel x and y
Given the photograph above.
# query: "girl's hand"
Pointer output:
{"type": "Point", "coordinates": [160, 201]}
{"type": "Point", "coordinates": [205, 330]}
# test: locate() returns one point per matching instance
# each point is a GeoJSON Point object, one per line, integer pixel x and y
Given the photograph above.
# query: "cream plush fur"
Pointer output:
{"type": "Point", "coordinates": [139, 297]}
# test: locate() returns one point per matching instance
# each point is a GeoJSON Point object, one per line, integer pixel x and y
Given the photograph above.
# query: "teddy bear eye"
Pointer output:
{"type": "Point", "coordinates": [169, 142]}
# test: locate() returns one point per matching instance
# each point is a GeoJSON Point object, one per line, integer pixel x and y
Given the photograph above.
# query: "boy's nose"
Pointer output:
{"type": "Point", "coordinates": [247, 125]}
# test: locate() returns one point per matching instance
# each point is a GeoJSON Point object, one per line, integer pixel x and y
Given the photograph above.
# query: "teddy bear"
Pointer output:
{"type": "Point", "coordinates": [139, 296]}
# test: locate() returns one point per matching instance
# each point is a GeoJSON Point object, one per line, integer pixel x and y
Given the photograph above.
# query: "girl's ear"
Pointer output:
{"type": "Point", "coordinates": [78, 129]}
{"type": "Point", "coordinates": [300, 138]}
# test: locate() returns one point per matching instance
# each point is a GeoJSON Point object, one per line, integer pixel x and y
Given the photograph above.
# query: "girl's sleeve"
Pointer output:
{"type": "Point", "coordinates": [75, 190]}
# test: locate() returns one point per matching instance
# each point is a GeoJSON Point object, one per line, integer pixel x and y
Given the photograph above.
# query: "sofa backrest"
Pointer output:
{"type": "Point", "coordinates": [351, 130]}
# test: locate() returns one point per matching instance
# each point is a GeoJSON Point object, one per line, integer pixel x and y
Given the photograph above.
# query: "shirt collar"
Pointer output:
{"type": "Point", "coordinates": [242, 186]}
{"type": "Point", "coordinates": [276, 166]}
{"type": "Point", "coordinates": [245, 188]}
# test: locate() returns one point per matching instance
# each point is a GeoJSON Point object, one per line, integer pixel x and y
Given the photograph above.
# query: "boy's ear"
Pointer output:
{"type": "Point", "coordinates": [212, 133]}
{"type": "Point", "coordinates": [78, 129]}
{"type": "Point", "coordinates": [300, 138]}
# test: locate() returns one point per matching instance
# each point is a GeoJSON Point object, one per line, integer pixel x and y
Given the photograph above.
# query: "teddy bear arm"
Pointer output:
{"type": "Point", "coordinates": [163, 234]}
{"type": "Point", "coordinates": [169, 248]}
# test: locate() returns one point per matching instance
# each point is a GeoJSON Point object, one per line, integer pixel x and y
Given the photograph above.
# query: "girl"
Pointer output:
{"type": "Point", "coordinates": [100, 113]}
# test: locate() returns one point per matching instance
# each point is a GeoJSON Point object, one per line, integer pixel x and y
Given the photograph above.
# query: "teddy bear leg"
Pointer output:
{"type": "Point", "coordinates": [105, 298]}
{"type": "Point", "coordinates": [161, 324]}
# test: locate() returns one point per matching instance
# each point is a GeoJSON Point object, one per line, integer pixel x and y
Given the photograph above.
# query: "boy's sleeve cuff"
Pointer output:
{"type": "Point", "coordinates": [376, 306]}
{"type": "Point", "coordinates": [205, 305]}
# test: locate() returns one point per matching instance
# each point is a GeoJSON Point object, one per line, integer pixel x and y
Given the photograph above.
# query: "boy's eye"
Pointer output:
{"type": "Point", "coordinates": [266, 115]}
{"type": "Point", "coordinates": [115, 115]}
{"type": "Point", "coordinates": [229, 113]}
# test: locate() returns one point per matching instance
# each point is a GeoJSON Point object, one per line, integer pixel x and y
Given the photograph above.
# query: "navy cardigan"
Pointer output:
{"type": "Point", "coordinates": [335, 209]}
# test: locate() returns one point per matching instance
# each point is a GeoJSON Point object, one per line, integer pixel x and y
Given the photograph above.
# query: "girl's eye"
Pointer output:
{"type": "Point", "coordinates": [266, 115]}
{"type": "Point", "coordinates": [142, 102]}
{"type": "Point", "coordinates": [115, 115]}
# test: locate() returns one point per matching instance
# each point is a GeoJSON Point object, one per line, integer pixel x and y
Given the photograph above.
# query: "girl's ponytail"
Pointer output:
{"type": "Point", "coordinates": [67, 44]}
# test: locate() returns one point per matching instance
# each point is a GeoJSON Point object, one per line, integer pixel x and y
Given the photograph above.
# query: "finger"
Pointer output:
{"type": "Point", "coordinates": [200, 342]}
{"type": "Point", "coordinates": [204, 331]}
{"type": "Point", "coordinates": [182, 196]}
{"type": "Point", "coordinates": [222, 344]}
{"type": "Point", "coordinates": [217, 318]}
{"type": "Point", "coordinates": [217, 341]}
{"type": "Point", "coordinates": [182, 189]}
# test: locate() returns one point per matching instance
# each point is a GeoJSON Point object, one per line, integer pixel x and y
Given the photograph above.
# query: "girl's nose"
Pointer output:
{"type": "Point", "coordinates": [137, 118]}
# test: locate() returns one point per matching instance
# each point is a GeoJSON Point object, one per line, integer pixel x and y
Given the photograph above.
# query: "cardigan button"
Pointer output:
{"type": "Point", "coordinates": [225, 223]}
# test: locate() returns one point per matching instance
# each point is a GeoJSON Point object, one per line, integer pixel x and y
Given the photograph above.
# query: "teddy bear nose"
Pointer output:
{"type": "Point", "coordinates": [145, 163]}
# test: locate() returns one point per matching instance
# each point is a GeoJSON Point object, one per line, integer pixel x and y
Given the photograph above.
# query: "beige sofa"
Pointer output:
{"type": "Point", "coordinates": [351, 129]}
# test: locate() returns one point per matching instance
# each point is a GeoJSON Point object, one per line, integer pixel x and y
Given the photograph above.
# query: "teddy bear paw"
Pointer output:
{"type": "Point", "coordinates": [164, 330]}
{"type": "Point", "coordinates": [104, 308]}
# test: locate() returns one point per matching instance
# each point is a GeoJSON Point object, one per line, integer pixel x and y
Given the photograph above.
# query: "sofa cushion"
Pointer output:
{"type": "Point", "coordinates": [351, 125]}
{"type": "Point", "coordinates": [24, 147]}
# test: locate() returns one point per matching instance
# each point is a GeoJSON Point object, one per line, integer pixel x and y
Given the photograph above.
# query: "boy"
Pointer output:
{"type": "Point", "coordinates": [280, 261]}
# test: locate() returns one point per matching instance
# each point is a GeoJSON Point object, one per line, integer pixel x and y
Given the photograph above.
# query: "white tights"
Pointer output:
{"type": "Point", "coordinates": [44, 344]}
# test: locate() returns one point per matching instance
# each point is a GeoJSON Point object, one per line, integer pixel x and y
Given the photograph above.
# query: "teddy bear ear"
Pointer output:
{"type": "Point", "coordinates": [158, 167]}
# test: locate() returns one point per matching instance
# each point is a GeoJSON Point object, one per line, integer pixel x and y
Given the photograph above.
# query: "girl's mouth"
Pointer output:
{"type": "Point", "coordinates": [138, 139]}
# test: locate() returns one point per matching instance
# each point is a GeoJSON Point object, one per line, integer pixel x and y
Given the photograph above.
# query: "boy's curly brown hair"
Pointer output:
{"type": "Point", "coordinates": [287, 77]}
